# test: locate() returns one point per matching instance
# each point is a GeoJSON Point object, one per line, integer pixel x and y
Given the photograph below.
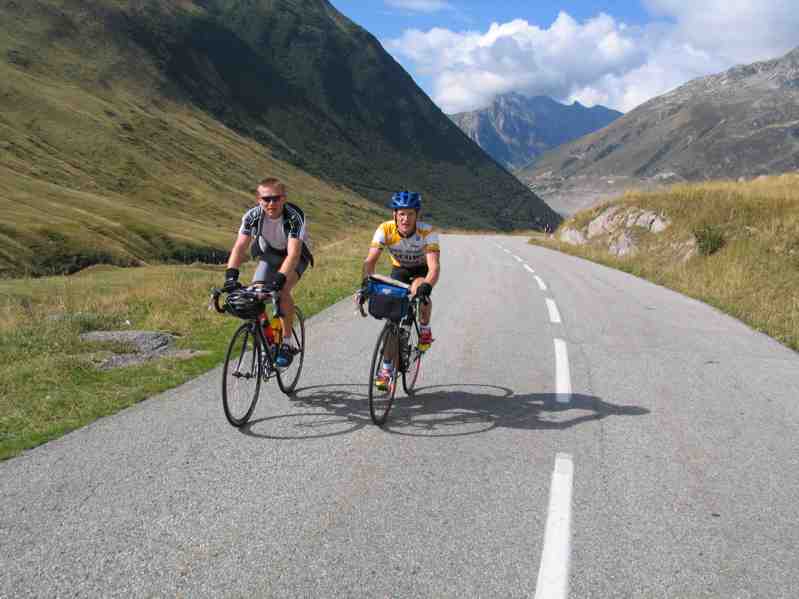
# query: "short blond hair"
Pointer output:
{"type": "Point", "coordinates": [274, 182]}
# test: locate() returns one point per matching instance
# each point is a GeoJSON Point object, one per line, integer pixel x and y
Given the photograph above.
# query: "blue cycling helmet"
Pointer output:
{"type": "Point", "coordinates": [406, 199]}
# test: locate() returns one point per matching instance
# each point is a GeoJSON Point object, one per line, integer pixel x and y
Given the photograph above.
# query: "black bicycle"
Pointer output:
{"type": "Point", "coordinates": [253, 350]}
{"type": "Point", "coordinates": [398, 342]}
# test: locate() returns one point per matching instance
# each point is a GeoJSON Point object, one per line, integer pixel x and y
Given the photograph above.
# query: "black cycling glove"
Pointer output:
{"type": "Point", "coordinates": [277, 282]}
{"type": "Point", "coordinates": [424, 290]}
{"type": "Point", "coordinates": [231, 280]}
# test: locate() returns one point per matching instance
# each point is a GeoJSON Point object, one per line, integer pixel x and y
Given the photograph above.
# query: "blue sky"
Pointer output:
{"type": "Point", "coordinates": [618, 53]}
{"type": "Point", "coordinates": [386, 21]}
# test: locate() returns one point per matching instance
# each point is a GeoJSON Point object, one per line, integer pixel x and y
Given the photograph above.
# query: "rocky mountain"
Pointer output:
{"type": "Point", "coordinates": [740, 123]}
{"type": "Point", "coordinates": [516, 129]}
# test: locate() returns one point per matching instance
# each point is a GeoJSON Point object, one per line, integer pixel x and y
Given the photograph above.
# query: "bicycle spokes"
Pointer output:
{"type": "Point", "coordinates": [241, 376]}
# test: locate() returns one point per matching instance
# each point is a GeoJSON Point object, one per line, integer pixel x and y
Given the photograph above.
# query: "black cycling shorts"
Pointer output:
{"type": "Point", "coordinates": [406, 275]}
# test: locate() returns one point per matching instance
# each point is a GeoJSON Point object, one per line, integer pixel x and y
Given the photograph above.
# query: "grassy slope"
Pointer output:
{"type": "Point", "coordinates": [97, 165]}
{"type": "Point", "coordinates": [85, 189]}
{"type": "Point", "coordinates": [755, 274]}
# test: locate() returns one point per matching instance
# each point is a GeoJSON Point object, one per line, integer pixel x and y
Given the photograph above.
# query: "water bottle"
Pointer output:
{"type": "Point", "coordinates": [276, 328]}
{"type": "Point", "coordinates": [267, 327]}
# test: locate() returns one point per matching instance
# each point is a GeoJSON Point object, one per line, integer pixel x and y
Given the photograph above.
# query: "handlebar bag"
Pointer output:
{"type": "Point", "coordinates": [388, 301]}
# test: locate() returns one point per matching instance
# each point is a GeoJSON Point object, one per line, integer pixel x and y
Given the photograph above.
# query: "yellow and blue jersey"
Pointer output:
{"type": "Point", "coordinates": [410, 251]}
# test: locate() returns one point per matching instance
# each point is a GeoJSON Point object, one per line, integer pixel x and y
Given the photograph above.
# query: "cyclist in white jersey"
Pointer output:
{"type": "Point", "coordinates": [275, 231]}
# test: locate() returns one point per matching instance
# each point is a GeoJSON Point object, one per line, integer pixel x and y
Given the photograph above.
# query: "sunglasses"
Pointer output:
{"type": "Point", "coordinates": [270, 199]}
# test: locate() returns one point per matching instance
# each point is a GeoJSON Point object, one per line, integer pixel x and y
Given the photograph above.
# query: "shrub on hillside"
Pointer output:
{"type": "Point", "coordinates": [709, 239]}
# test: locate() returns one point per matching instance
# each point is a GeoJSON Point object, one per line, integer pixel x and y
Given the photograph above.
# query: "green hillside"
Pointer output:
{"type": "Point", "coordinates": [134, 131]}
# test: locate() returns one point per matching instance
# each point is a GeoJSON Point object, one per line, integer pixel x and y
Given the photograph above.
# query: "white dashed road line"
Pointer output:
{"type": "Point", "coordinates": [517, 258]}
{"type": "Point", "coordinates": [506, 250]}
{"type": "Point", "coordinates": [563, 382]}
{"type": "Point", "coordinates": [553, 574]}
{"type": "Point", "coordinates": [554, 315]}
{"type": "Point", "coordinates": [541, 283]}
{"type": "Point", "coordinates": [529, 269]}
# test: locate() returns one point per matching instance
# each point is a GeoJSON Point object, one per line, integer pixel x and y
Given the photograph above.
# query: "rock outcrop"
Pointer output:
{"type": "Point", "coordinates": [616, 227]}
{"type": "Point", "coordinates": [145, 346]}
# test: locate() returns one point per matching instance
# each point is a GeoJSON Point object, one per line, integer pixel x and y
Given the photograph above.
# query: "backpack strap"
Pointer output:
{"type": "Point", "coordinates": [255, 245]}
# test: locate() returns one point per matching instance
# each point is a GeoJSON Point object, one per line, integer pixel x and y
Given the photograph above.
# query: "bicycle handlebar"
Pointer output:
{"type": "Point", "coordinates": [215, 293]}
{"type": "Point", "coordinates": [260, 295]}
{"type": "Point", "coordinates": [361, 300]}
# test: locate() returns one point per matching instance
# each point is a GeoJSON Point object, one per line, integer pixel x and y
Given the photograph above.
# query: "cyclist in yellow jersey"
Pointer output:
{"type": "Point", "coordinates": [415, 254]}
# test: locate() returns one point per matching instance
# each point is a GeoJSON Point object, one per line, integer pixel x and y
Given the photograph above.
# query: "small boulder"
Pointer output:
{"type": "Point", "coordinates": [144, 341]}
{"type": "Point", "coordinates": [149, 345]}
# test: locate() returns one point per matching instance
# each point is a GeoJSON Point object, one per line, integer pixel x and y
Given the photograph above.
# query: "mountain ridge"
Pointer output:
{"type": "Point", "coordinates": [743, 122]}
{"type": "Point", "coordinates": [516, 129]}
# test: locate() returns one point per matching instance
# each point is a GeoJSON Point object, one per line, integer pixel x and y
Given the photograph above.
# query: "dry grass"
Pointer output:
{"type": "Point", "coordinates": [754, 275]}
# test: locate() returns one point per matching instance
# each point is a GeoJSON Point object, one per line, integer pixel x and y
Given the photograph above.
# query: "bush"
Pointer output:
{"type": "Point", "coordinates": [709, 239]}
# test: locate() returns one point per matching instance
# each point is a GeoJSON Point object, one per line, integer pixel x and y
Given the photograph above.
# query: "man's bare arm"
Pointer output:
{"type": "Point", "coordinates": [370, 264]}
{"type": "Point", "coordinates": [239, 252]}
{"type": "Point", "coordinates": [433, 267]}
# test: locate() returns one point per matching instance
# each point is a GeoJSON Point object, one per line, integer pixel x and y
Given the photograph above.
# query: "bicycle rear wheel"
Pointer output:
{"type": "Point", "coordinates": [241, 375]}
{"type": "Point", "coordinates": [412, 360]}
{"type": "Point", "coordinates": [287, 377]}
{"type": "Point", "coordinates": [380, 400]}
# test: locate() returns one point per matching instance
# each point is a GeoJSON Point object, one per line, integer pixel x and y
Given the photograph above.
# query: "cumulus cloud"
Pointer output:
{"type": "Point", "coordinates": [601, 60]}
{"type": "Point", "coordinates": [428, 6]}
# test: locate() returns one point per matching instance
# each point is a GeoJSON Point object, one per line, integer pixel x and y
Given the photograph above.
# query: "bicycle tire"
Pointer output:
{"type": "Point", "coordinates": [239, 403]}
{"type": "Point", "coordinates": [380, 405]}
{"type": "Point", "coordinates": [287, 386]}
{"type": "Point", "coordinates": [410, 372]}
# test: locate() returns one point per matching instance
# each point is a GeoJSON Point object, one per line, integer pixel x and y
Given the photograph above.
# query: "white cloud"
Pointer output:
{"type": "Point", "coordinates": [428, 6]}
{"type": "Point", "coordinates": [737, 30]}
{"type": "Point", "coordinates": [600, 60]}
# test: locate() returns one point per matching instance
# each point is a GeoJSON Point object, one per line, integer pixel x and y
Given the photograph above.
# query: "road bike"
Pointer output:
{"type": "Point", "coordinates": [398, 341]}
{"type": "Point", "coordinates": [252, 353]}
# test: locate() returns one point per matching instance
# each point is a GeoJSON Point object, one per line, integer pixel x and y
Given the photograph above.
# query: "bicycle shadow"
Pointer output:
{"type": "Point", "coordinates": [439, 411]}
{"type": "Point", "coordinates": [346, 409]}
{"type": "Point", "coordinates": [466, 409]}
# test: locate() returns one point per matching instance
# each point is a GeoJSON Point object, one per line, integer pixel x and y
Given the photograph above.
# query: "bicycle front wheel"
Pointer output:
{"type": "Point", "coordinates": [381, 399]}
{"type": "Point", "coordinates": [288, 376]}
{"type": "Point", "coordinates": [412, 359]}
{"type": "Point", "coordinates": [241, 375]}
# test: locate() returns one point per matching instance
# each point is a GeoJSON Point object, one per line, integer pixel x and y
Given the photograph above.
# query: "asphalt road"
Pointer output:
{"type": "Point", "coordinates": [674, 428]}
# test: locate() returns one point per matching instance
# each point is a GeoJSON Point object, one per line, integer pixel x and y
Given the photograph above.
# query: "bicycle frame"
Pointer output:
{"type": "Point", "coordinates": [407, 359]}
